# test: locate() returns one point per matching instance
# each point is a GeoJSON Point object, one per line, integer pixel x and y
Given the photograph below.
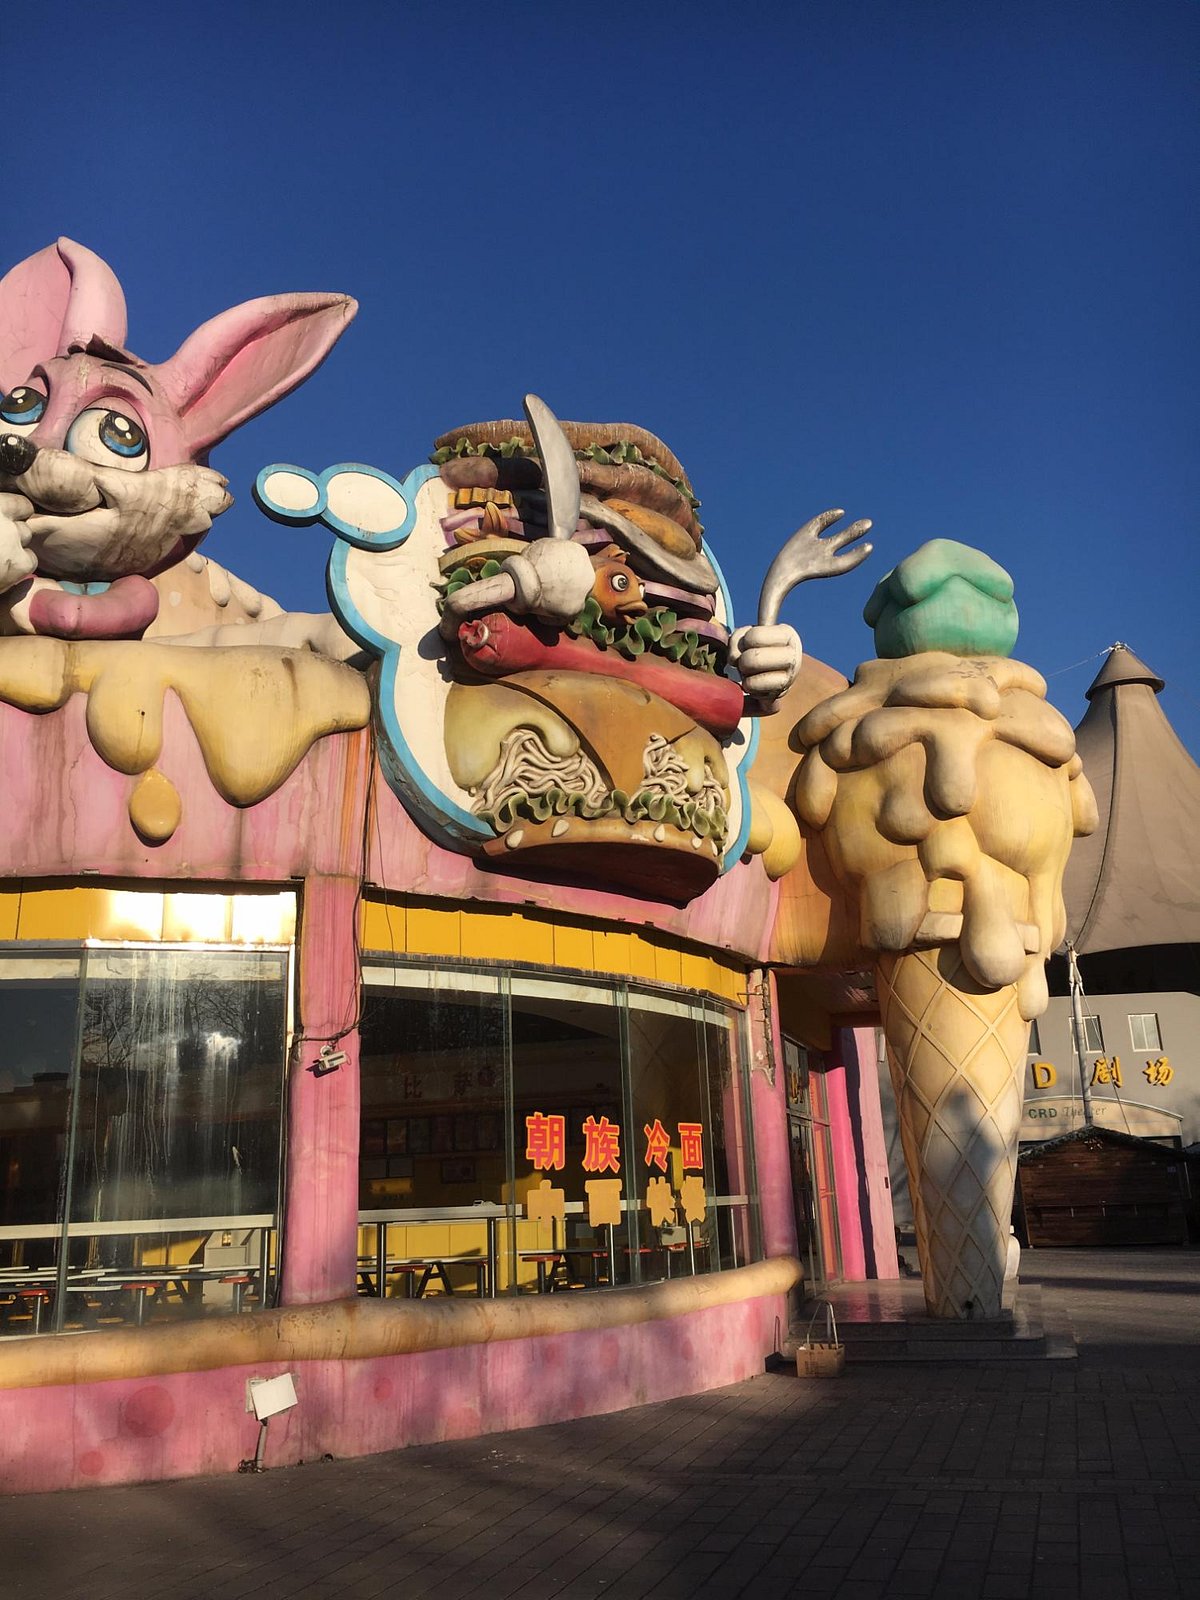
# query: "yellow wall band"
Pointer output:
{"type": "Point", "coordinates": [541, 939]}
{"type": "Point", "coordinates": [501, 933]}
{"type": "Point", "coordinates": [46, 916]}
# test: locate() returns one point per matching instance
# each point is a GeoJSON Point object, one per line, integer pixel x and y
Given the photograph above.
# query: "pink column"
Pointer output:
{"type": "Point", "coordinates": [768, 1101]}
{"type": "Point", "coordinates": [865, 1153]}
{"type": "Point", "coordinates": [320, 1233]}
{"type": "Point", "coordinates": [845, 1175]}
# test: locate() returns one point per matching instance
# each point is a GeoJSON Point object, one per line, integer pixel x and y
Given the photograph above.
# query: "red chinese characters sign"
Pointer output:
{"type": "Point", "coordinates": [691, 1146]}
{"type": "Point", "coordinates": [658, 1142]}
{"type": "Point", "coordinates": [546, 1142]}
{"type": "Point", "coordinates": [602, 1145]}
{"type": "Point", "coordinates": [546, 1150]}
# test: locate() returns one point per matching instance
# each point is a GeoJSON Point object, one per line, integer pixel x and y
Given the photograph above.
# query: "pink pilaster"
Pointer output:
{"type": "Point", "coordinates": [768, 1099]}
{"type": "Point", "coordinates": [854, 1051]}
{"type": "Point", "coordinates": [845, 1175]}
{"type": "Point", "coordinates": [320, 1233]}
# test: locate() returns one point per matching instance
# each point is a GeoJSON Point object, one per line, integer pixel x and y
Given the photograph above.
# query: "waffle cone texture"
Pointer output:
{"type": "Point", "coordinates": [956, 1053]}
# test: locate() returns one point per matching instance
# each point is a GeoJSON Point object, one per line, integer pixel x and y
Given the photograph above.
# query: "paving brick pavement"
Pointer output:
{"type": "Point", "coordinates": [1061, 1480]}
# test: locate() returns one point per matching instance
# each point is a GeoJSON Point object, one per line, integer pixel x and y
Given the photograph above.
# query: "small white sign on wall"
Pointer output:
{"type": "Point", "coordinates": [266, 1397]}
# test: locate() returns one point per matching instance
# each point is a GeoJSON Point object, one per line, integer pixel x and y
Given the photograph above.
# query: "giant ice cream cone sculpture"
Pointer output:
{"type": "Point", "coordinates": [948, 792]}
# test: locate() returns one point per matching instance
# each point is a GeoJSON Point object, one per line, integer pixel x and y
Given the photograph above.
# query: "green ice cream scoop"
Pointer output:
{"type": "Point", "coordinates": [945, 596]}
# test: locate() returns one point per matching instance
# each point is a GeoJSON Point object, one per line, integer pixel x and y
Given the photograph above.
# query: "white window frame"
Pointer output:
{"type": "Point", "coordinates": [1154, 1045]}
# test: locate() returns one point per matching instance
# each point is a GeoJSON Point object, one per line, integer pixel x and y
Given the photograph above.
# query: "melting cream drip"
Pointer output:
{"type": "Point", "coordinates": [948, 792]}
{"type": "Point", "coordinates": [255, 711]}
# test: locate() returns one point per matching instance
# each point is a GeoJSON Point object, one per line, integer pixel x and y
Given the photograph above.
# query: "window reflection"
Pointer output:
{"type": "Point", "coordinates": [566, 1054]}
{"type": "Point", "coordinates": [736, 1223]}
{"type": "Point", "coordinates": [432, 1143]}
{"type": "Point", "coordinates": [179, 1086]}
{"type": "Point", "coordinates": [432, 1073]}
{"type": "Point", "coordinates": [811, 1147]}
{"type": "Point", "coordinates": [140, 1119]}
{"type": "Point", "coordinates": [39, 1000]}
{"type": "Point", "coordinates": [671, 1132]}
{"type": "Point", "coordinates": [503, 1140]}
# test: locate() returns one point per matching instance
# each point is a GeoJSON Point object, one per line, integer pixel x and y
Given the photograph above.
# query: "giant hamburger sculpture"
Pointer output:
{"type": "Point", "coordinates": [563, 689]}
{"type": "Point", "coordinates": [608, 730]}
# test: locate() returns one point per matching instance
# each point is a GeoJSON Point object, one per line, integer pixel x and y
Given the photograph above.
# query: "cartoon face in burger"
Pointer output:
{"type": "Point", "coordinates": [556, 638]}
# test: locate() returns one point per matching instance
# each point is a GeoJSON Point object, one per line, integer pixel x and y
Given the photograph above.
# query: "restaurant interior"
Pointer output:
{"type": "Point", "coordinates": [521, 1133]}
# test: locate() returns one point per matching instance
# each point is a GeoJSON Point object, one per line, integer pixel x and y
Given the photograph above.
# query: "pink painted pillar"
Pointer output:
{"type": "Point", "coordinates": [864, 1155]}
{"type": "Point", "coordinates": [768, 1102]}
{"type": "Point", "coordinates": [845, 1176]}
{"type": "Point", "coordinates": [320, 1234]}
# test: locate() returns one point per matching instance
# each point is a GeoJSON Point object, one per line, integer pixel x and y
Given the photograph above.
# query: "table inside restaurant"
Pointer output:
{"type": "Point", "coordinates": [67, 1295]}
{"type": "Point", "coordinates": [558, 1262]}
{"type": "Point", "coordinates": [418, 1269]}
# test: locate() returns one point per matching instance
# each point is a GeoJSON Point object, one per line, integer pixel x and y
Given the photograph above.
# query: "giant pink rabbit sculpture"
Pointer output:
{"type": "Point", "coordinates": [105, 491]}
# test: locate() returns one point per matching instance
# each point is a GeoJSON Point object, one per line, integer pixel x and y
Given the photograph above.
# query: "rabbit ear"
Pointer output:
{"type": "Point", "coordinates": [244, 360]}
{"type": "Point", "coordinates": [62, 296]}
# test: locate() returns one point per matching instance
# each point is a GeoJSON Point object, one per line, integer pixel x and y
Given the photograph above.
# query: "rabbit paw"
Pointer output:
{"type": "Point", "coordinates": [17, 560]}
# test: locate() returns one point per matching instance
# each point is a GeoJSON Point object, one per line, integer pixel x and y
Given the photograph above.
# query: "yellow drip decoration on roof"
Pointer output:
{"type": "Point", "coordinates": [286, 699]}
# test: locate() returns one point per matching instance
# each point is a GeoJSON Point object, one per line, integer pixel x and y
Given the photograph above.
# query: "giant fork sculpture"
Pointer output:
{"type": "Point", "coordinates": [755, 652]}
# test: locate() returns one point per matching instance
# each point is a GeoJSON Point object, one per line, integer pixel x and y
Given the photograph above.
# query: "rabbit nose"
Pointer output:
{"type": "Point", "coordinates": [16, 454]}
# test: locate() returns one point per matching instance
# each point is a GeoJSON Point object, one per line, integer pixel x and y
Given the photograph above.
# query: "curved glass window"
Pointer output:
{"type": "Point", "coordinates": [524, 1133]}
{"type": "Point", "coordinates": [140, 1119]}
{"type": "Point", "coordinates": [39, 1015]}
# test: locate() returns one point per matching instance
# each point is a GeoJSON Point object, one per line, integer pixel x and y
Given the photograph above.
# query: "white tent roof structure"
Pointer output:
{"type": "Point", "coordinates": [1136, 880]}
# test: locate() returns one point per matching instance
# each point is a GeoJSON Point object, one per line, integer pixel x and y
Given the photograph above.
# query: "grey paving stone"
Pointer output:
{"type": "Point", "coordinates": [1072, 1479]}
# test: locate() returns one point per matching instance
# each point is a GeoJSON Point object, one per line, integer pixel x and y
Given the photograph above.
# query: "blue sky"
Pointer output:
{"type": "Point", "coordinates": [932, 262]}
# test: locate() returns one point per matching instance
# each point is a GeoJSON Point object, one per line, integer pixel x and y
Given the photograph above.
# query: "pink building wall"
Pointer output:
{"type": "Point", "coordinates": [311, 830]}
{"type": "Point", "coordinates": [67, 811]}
{"type": "Point", "coordinates": [736, 914]}
{"type": "Point", "coordinates": [181, 1424]}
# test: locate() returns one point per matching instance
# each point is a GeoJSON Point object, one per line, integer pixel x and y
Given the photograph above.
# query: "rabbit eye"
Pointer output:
{"type": "Point", "coordinates": [23, 407]}
{"type": "Point", "coordinates": [109, 439]}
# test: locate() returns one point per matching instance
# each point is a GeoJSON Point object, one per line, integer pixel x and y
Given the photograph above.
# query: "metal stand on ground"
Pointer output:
{"type": "Point", "coordinates": [255, 1462]}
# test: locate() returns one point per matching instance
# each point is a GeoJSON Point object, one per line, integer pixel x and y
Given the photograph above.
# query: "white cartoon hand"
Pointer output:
{"type": "Point", "coordinates": [767, 658]}
{"type": "Point", "coordinates": [553, 579]}
{"type": "Point", "coordinates": [17, 561]}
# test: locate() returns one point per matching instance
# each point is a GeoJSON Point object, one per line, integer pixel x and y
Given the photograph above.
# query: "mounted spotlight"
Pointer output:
{"type": "Point", "coordinates": [328, 1060]}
